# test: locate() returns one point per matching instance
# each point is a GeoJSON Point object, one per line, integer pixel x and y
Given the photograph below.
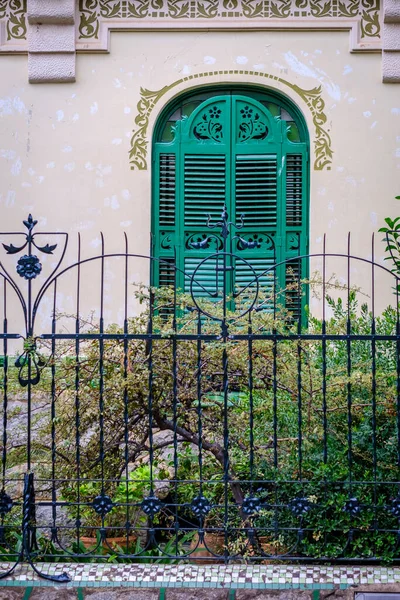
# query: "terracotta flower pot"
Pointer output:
{"type": "Point", "coordinates": [214, 544]}
{"type": "Point", "coordinates": [111, 542]}
{"type": "Point", "coordinates": [268, 547]}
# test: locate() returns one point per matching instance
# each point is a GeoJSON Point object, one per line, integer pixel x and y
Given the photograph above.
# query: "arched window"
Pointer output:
{"type": "Point", "coordinates": [247, 150]}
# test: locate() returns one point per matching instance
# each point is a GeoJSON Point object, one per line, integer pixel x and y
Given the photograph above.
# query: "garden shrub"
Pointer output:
{"type": "Point", "coordinates": [359, 397]}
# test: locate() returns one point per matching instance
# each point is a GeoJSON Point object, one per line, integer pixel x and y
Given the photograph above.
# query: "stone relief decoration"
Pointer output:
{"type": "Point", "coordinates": [251, 126]}
{"type": "Point", "coordinates": [312, 98]}
{"type": "Point", "coordinates": [13, 20]}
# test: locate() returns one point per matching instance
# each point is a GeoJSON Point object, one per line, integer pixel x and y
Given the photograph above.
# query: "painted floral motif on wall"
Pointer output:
{"type": "Point", "coordinates": [312, 98]}
{"type": "Point", "coordinates": [93, 11]}
{"type": "Point", "coordinates": [13, 12]}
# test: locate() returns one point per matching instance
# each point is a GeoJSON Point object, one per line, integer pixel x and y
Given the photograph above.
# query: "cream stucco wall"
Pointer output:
{"type": "Point", "coordinates": [64, 147]}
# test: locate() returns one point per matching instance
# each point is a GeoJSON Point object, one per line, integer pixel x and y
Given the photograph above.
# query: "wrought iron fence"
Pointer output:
{"type": "Point", "coordinates": [207, 425]}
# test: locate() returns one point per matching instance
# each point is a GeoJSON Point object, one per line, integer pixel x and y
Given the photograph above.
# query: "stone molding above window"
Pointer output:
{"type": "Point", "coordinates": [391, 42]}
{"type": "Point", "coordinates": [45, 30]}
{"type": "Point", "coordinates": [51, 31]}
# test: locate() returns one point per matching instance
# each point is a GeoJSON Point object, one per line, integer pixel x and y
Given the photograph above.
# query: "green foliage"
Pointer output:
{"type": "Point", "coordinates": [127, 497]}
{"type": "Point", "coordinates": [289, 391]}
{"type": "Point", "coordinates": [48, 551]}
{"type": "Point", "coordinates": [392, 239]}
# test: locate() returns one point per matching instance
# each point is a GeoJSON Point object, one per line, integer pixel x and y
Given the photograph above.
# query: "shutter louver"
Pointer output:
{"type": "Point", "coordinates": [294, 190]}
{"type": "Point", "coordinates": [256, 189]}
{"type": "Point", "coordinates": [204, 187]}
{"type": "Point", "coordinates": [293, 288]}
{"type": "Point", "coordinates": [245, 277]}
{"type": "Point", "coordinates": [167, 189]}
{"type": "Point", "coordinates": [205, 280]}
{"type": "Point", "coordinates": [166, 272]}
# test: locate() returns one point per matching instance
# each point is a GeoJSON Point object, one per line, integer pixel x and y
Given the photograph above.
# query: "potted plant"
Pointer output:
{"type": "Point", "coordinates": [126, 500]}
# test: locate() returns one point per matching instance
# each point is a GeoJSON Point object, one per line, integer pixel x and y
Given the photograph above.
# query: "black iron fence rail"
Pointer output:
{"type": "Point", "coordinates": [204, 428]}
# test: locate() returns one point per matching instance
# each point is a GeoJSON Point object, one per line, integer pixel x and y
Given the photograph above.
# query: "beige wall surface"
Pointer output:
{"type": "Point", "coordinates": [64, 148]}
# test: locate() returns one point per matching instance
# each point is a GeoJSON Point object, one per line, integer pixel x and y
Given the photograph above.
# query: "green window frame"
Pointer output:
{"type": "Point", "coordinates": [244, 148]}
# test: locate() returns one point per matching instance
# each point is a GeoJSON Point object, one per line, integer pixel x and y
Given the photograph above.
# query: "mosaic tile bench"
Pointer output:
{"type": "Point", "coordinates": [208, 582]}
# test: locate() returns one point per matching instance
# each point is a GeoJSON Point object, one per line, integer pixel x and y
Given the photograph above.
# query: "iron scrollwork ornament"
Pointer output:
{"type": "Point", "coordinates": [6, 503]}
{"type": "Point", "coordinates": [102, 504]}
{"type": "Point", "coordinates": [200, 244]}
{"type": "Point", "coordinates": [251, 505]}
{"type": "Point", "coordinates": [29, 364]}
{"type": "Point", "coordinates": [28, 266]}
{"type": "Point", "coordinates": [219, 261]}
{"type": "Point", "coordinates": [200, 506]}
{"type": "Point", "coordinates": [300, 506]}
{"type": "Point", "coordinates": [151, 505]}
{"type": "Point", "coordinates": [395, 507]}
{"type": "Point", "coordinates": [353, 507]}
{"type": "Point", "coordinates": [247, 244]}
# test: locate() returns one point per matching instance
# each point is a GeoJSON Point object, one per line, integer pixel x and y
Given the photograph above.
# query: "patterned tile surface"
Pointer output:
{"type": "Point", "coordinates": [216, 576]}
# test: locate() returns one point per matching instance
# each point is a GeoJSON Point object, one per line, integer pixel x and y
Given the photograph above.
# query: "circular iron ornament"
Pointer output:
{"type": "Point", "coordinates": [6, 503]}
{"type": "Point", "coordinates": [29, 266]}
{"type": "Point", "coordinates": [300, 506]}
{"type": "Point", "coordinates": [102, 504]}
{"type": "Point", "coordinates": [151, 505]}
{"type": "Point", "coordinates": [353, 507]}
{"type": "Point", "coordinates": [395, 507]}
{"type": "Point", "coordinates": [200, 506]}
{"type": "Point", "coordinates": [251, 505]}
{"type": "Point", "coordinates": [217, 257]}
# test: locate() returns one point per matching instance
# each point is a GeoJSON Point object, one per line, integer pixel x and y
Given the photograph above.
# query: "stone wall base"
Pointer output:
{"type": "Point", "coordinates": [111, 593]}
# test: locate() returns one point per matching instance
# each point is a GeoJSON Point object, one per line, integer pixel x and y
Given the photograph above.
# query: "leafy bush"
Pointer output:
{"type": "Point", "coordinates": [314, 427]}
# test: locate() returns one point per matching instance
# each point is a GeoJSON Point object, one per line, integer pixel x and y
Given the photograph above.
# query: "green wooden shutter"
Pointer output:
{"type": "Point", "coordinates": [167, 188]}
{"type": "Point", "coordinates": [231, 151]}
{"type": "Point", "coordinates": [255, 160]}
{"type": "Point", "coordinates": [293, 276]}
{"type": "Point", "coordinates": [295, 242]}
{"type": "Point", "coordinates": [256, 189]}
{"type": "Point", "coordinates": [294, 190]}
{"type": "Point", "coordinates": [205, 188]}
{"type": "Point", "coordinates": [204, 193]}
{"type": "Point", "coordinates": [164, 216]}
{"type": "Point", "coordinates": [256, 196]}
